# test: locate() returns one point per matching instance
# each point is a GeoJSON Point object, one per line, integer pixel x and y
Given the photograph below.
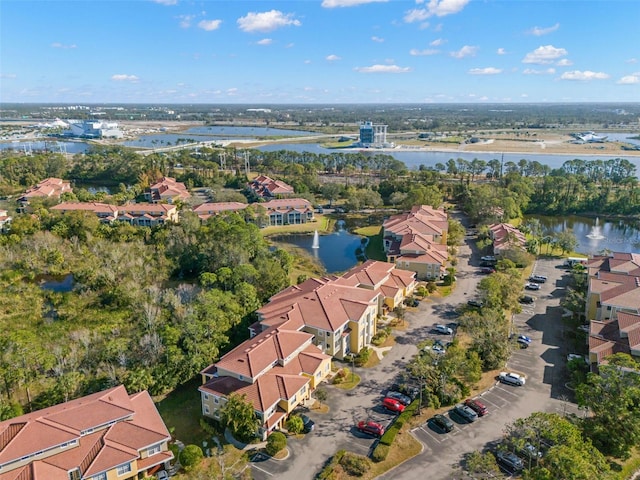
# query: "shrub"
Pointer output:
{"type": "Point", "coordinates": [190, 456]}
{"type": "Point", "coordinates": [275, 443]}
{"type": "Point", "coordinates": [380, 453]}
{"type": "Point", "coordinates": [363, 356]}
{"type": "Point", "coordinates": [355, 465]}
{"type": "Point", "coordinates": [295, 424]}
{"type": "Point", "coordinates": [379, 338]}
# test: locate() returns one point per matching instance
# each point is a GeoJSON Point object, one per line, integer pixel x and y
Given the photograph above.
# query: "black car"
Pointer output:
{"type": "Point", "coordinates": [309, 424]}
{"type": "Point", "coordinates": [528, 299]}
{"type": "Point", "coordinates": [510, 461]}
{"type": "Point", "coordinates": [409, 390]}
{"type": "Point", "coordinates": [443, 422]}
{"type": "Point", "coordinates": [401, 397]}
{"type": "Point", "coordinates": [475, 303]}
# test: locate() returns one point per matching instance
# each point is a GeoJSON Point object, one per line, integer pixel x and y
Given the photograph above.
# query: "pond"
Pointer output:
{"type": "Point", "coordinates": [335, 251]}
{"type": "Point", "coordinates": [60, 284]}
{"type": "Point", "coordinates": [595, 234]}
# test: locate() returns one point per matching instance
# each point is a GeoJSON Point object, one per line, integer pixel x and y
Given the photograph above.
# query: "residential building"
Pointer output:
{"type": "Point", "coordinates": [5, 221]}
{"type": "Point", "coordinates": [168, 190]}
{"type": "Point", "coordinates": [506, 237]}
{"type": "Point", "coordinates": [276, 370]}
{"type": "Point", "coordinates": [266, 187]}
{"type": "Point", "coordinates": [288, 211]}
{"type": "Point", "coordinates": [138, 214]}
{"type": "Point", "coordinates": [47, 188]}
{"type": "Point", "coordinates": [613, 305]}
{"type": "Point", "coordinates": [103, 436]}
{"type": "Point", "coordinates": [417, 241]}
{"type": "Point", "coordinates": [207, 210]}
{"type": "Point", "coordinates": [372, 135]}
{"type": "Point", "coordinates": [298, 331]}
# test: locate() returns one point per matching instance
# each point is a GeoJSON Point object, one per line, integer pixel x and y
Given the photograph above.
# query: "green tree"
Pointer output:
{"type": "Point", "coordinates": [295, 424]}
{"type": "Point", "coordinates": [483, 464]}
{"type": "Point", "coordinates": [190, 457]}
{"type": "Point", "coordinates": [239, 416]}
{"type": "Point", "coordinates": [275, 443]}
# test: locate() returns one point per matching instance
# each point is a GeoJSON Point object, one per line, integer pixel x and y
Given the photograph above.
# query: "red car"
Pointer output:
{"type": "Point", "coordinates": [393, 405]}
{"type": "Point", "coordinates": [371, 428]}
{"type": "Point", "coordinates": [476, 406]}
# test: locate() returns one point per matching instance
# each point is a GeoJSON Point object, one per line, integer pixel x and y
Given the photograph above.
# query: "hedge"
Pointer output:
{"type": "Point", "coordinates": [390, 435]}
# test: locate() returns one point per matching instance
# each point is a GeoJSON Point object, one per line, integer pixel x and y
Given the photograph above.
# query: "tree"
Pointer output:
{"type": "Point", "coordinates": [275, 443]}
{"type": "Point", "coordinates": [190, 457]}
{"type": "Point", "coordinates": [239, 416]}
{"type": "Point", "coordinates": [456, 232]}
{"type": "Point", "coordinates": [321, 395]}
{"type": "Point", "coordinates": [613, 397]}
{"type": "Point", "coordinates": [484, 464]}
{"type": "Point", "coordinates": [566, 241]}
{"type": "Point", "coordinates": [295, 424]}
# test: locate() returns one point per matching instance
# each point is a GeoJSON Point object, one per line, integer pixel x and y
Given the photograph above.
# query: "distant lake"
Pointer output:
{"type": "Point", "coordinates": [614, 235]}
{"type": "Point", "coordinates": [414, 158]}
{"type": "Point", "coordinates": [212, 134]}
{"type": "Point", "coordinates": [49, 146]}
{"type": "Point", "coordinates": [337, 251]}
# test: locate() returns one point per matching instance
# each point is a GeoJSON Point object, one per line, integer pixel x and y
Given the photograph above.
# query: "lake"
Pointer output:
{"type": "Point", "coordinates": [595, 234]}
{"type": "Point", "coordinates": [414, 158]}
{"type": "Point", "coordinates": [336, 251]}
{"type": "Point", "coordinates": [49, 146]}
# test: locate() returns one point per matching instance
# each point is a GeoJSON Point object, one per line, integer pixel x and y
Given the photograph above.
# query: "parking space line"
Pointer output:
{"type": "Point", "coordinates": [262, 470]}
{"type": "Point", "coordinates": [495, 405]}
{"type": "Point", "coordinates": [507, 391]}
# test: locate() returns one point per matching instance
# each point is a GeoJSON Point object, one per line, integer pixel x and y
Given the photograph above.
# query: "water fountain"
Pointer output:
{"type": "Point", "coordinates": [316, 240]}
{"type": "Point", "coordinates": [596, 231]}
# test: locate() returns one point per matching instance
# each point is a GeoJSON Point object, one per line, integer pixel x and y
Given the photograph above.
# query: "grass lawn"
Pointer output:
{"type": "Point", "coordinates": [181, 411]}
{"type": "Point", "coordinates": [375, 250]}
{"type": "Point", "coordinates": [350, 380]}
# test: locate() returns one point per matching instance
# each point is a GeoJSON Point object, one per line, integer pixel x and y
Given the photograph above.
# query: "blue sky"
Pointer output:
{"type": "Point", "coordinates": [319, 51]}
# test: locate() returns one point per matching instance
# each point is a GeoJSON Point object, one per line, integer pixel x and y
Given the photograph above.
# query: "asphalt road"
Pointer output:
{"type": "Point", "coordinates": [543, 363]}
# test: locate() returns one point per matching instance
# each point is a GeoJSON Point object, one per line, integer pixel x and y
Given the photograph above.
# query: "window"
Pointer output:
{"type": "Point", "coordinates": [156, 448]}
{"type": "Point", "coordinates": [75, 474]}
{"type": "Point", "coordinates": [100, 476]}
{"type": "Point", "coordinates": [124, 469]}
{"type": "Point", "coordinates": [206, 409]}
{"type": "Point", "coordinates": [206, 396]}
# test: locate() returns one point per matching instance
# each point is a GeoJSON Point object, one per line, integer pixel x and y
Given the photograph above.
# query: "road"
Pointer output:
{"type": "Point", "coordinates": [542, 363]}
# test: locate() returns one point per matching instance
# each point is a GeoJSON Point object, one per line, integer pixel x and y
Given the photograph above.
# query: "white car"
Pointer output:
{"type": "Point", "coordinates": [512, 378]}
{"type": "Point", "coordinates": [575, 356]}
{"type": "Point", "coordinates": [443, 329]}
{"type": "Point", "coordinates": [162, 475]}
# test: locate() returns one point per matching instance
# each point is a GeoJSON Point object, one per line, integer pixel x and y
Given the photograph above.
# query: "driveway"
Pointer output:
{"type": "Point", "coordinates": [335, 430]}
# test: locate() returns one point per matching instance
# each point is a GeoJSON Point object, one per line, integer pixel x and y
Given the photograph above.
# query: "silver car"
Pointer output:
{"type": "Point", "coordinates": [466, 412]}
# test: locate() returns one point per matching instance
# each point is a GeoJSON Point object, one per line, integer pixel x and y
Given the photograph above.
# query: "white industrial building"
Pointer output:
{"type": "Point", "coordinates": [93, 129]}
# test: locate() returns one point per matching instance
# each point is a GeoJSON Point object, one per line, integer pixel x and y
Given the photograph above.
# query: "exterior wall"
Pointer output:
{"type": "Point", "coordinates": [592, 306]}
{"type": "Point", "coordinates": [320, 374]}
{"type": "Point", "coordinates": [211, 404]}
{"type": "Point", "coordinates": [363, 330]}
{"type": "Point", "coordinates": [300, 396]}
{"type": "Point", "coordinates": [113, 474]}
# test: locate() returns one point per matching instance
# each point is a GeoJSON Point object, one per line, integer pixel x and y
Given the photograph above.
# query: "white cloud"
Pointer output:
{"type": "Point", "coordinates": [629, 80]}
{"type": "Point", "coordinates": [209, 25]}
{"type": "Point", "coordinates": [565, 62]}
{"type": "Point", "coordinates": [377, 39]}
{"type": "Point", "coordinates": [185, 20]}
{"type": "Point", "coordinates": [266, 21]}
{"type": "Point", "coordinates": [438, 8]}
{"type": "Point", "coordinates": [421, 53]}
{"type": "Point", "coordinates": [232, 92]}
{"type": "Point", "coordinates": [383, 69]}
{"type": "Point", "coordinates": [532, 71]}
{"type": "Point", "coordinates": [583, 75]}
{"type": "Point", "coordinates": [466, 51]}
{"type": "Point", "coordinates": [437, 42]}
{"type": "Point", "coordinates": [485, 71]}
{"type": "Point", "coordinates": [166, 2]}
{"type": "Point", "coordinates": [8, 75]}
{"type": "Point", "coordinates": [632, 60]}
{"type": "Point", "coordinates": [539, 31]}
{"type": "Point", "coordinates": [501, 51]}
{"type": "Point", "coordinates": [265, 41]}
{"type": "Point", "coordinates": [347, 3]}
{"type": "Point", "coordinates": [544, 54]}
{"type": "Point", "coordinates": [61, 45]}
{"type": "Point", "coordinates": [124, 78]}
{"type": "Point", "coordinates": [332, 58]}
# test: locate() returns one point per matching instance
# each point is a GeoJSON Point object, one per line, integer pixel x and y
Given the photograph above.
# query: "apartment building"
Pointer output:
{"type": "Point", "coordinates": [137, 214]}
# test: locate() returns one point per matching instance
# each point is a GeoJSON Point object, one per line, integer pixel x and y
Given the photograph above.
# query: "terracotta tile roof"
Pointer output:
{"type": "Point", "coordinates": [168, 187]}
{"type": "Point", "coordinates": [617, 262]}
{"type": "Point", "coordinates": [213, 208]}
{"type": "Point", "coordinates": [94, 207]}
{"type": "Point", "coordinates": [47, 188]}
{"type": "Point", "coordinates": [144, 208]}
{"type": "Point", "coordinates": [266, 187]}
{"type": "Point", "coordinates": [286, 203]}
{"type": "Point", "coordinates": [630, 326]}
{"type": "Point", "coordinates": [115, 426]}
{"type": "Point", "coordinates": [505, 235]}
{"type": "Point", "coordinates": [253, 356]}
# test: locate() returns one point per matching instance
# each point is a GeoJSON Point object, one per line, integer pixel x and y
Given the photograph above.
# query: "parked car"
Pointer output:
{"type": "Point", "coordinates": [442, 422]}
{"type": "Point", "coordinates": [524, 338]}
{"type": "Point", "coordinates": [538, 278]}
{"type": "Point", "coordinates": [466, 412]}
{"type": "Point", "coordinates": [162, 475]}
{"type": "Point", "coordinates": [531, 451]}
{"type": "Point", "coordinates": [488, 264]}
{"type": "Point", "coordinates": [411, 302]}
{"type": "Point", "coordinates": [402, 398]}
{"type": "Point", "coordinates": [475, 303]}
{"type": "Point", "coordinates": [410, 391]}
{"type": "Point", "coordinates": [528, 299]}
{"type": "Point", "coordinates": [512, 378]}
{"type": "Point", "coordinates": [487, 270]}
{"type": "Point", "coordinates": [393, 405]}
{"type": "Point", "coordinates": [575, 356]}
{"type": "Point", "coordinates": [370, 428]}
{"type": "Point", "coordinates": [309, 424]}
{"type": "Point", "coordinates": [438, 327]}
{"type": "Point", "coordinates": [532, 286]}
{"type": "Point", "coordinates": [477, 406]}
{"type": "Point", "coordinates": [510, 460]}
{"type": "Point", "coordinates": [522, 343]}
{"type": "Point", "coordinates": [435, 348]}
{"type": "Point", "coordinates": [488, 258]}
